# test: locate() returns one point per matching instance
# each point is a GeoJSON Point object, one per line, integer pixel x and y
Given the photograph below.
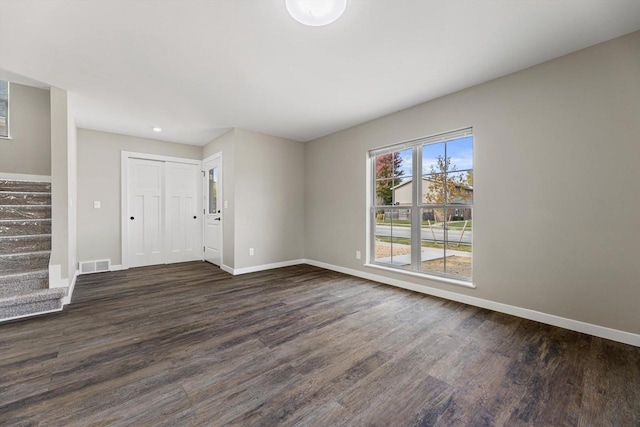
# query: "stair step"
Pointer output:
{"type": "Point", "coordinates": [30, 309]}
{"type": "Point", "coordinates": [22, 244]}
{"type": "Point", "coordinates": [24, 198]}
{"type": "Point", "coordinates": [27, 297]}
{"type": "Point", "coordinates": [25, 212]}
{"type": "Point", "coordinates": [24, 227]}
{"type": "Point", "coordinates": [20, 282]}
{"type": "Point", "coordinates": [30, 186]}
{"type": "Point", "coordinates": [24, 262]}
{"type": "Point", "coordinates": [31, 302]}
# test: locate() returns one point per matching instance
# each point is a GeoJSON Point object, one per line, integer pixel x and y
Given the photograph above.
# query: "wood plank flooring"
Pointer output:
{"type": "Point", "coordinates": [187, 344]}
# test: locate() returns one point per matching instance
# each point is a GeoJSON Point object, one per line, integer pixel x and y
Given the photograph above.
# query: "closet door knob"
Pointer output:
{"type": "Point", "coordinates": [194, 217]}
{"type": "Point", "coordinates": [132, 218]}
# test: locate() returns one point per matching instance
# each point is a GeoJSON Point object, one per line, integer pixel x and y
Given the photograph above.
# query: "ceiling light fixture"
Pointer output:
{"type": "Point", "coordinates": [156, 129]}
{"type": "Point", "coordinates": [316, 12]}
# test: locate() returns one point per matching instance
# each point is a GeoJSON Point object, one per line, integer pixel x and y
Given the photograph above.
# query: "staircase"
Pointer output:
{"type": "Point", "coordinates": [25, 249]}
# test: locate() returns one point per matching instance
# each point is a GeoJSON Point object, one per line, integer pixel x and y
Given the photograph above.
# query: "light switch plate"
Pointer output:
{"type": "Point", "coordinates": [96, 204]}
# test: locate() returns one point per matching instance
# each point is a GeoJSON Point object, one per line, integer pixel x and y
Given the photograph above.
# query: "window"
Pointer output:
{"type": "Point", "coordinates": [422, 205]}
{"type": "Point", "coordinates": [4, 109]}
{"type": "Point", "coordinates": [213, 191]}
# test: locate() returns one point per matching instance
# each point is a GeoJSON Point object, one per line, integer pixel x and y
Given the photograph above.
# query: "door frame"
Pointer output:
{"type": "Point", "coordinates": [204, 200]}
{"type": "Point", "coordinates": [124, 199]}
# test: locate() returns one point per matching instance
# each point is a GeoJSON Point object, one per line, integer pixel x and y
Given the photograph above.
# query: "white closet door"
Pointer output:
{"type": "Point", "coordinates": [145, 216]}
{"type": "Point", "coordinates": [184, 215]}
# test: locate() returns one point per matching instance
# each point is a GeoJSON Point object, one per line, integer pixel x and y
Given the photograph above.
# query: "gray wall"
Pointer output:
{"type": "Point", "coordinates": [263, 180]}
{"type": "Point", "coordinates": [556, 147]}
{"type": "Point", "coordinates": [269, 197]}
{"type": "Point", "coordinates": [99, 232]}
{"type": "Point", "coordinates": [29, 150]}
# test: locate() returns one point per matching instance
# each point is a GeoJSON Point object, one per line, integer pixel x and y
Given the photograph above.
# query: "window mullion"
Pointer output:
{"type": "Point", "coordinates": [445, 233]}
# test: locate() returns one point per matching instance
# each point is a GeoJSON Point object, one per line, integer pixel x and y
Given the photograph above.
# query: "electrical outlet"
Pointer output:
{"type": "Point", "coordinates": [358, 255]}
{"type": "Point", "coordinates": [96, 204]}
{"type": "Point", "coordinates": [250, 251]}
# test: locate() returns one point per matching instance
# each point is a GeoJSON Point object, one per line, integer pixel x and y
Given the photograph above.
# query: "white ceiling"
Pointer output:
{"type": "Point", "coordinates": [198, 67]}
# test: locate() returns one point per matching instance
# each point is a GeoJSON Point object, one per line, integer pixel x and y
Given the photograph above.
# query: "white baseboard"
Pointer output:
{"type": "Point", "coordinates": [116, 267]}
{"type": "Point", "coordinates": [549, 319]}
{"type": "Point", "coordinates": [66, 300]}
{"type": "Point", "coordinates": [226, 268]}
{"type": "Point", "coordinates": [262, 267]}
{"type": "Point", "coordinates": [25, 177]}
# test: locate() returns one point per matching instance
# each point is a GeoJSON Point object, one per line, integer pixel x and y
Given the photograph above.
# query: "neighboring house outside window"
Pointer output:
{"type": "Point", "coordinates": [4, 109]}
{"type": "Point", "coordinates": [426, 229]}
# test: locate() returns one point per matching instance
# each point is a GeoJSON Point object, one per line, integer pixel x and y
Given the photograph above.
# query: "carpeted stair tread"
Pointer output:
{"type": "Point", "coordinates": [25, 186]}
{"type": "Point", "coordinates": [24, 198]}
{"type": "Point", "coordinates": [23, 262]}
{"type": "Point", "coordinates": [19, 282]}
{"type": "Point", "coordinates": [32, 296]}
{"type": "Point", "coordinates": [17, 212]}
{"type": "Point", "coordinates": [23, 244]}
{"type": "Point", "coordinates": [24, 227]}
{"type": "Point", "coordinates": [30, 309]}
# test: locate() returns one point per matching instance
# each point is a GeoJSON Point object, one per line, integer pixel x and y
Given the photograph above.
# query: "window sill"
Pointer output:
{"type": "Point", "coordinates": [447, 280]}
{"type": "Point", "coordinates": [6, 137]}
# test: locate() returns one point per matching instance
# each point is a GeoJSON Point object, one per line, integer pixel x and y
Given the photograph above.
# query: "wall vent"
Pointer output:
{"type": "Point", "coordinates": [97, 266]}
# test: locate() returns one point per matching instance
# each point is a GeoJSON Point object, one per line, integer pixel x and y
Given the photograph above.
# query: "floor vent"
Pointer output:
{"type": "Point", "coordinates": [98, 266]}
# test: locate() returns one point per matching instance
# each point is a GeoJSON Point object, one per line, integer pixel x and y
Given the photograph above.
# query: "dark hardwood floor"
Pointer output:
{"type": "Point", "coordinates": [187, 344]}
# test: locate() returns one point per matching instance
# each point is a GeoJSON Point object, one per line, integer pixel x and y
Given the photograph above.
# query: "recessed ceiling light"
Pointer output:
{"type": "Point", "coordinates": [156, 129]}
{"type": "Point", "coordinates": [316, 12]}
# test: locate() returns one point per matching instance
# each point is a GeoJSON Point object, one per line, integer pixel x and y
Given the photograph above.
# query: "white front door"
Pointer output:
{"type": "Point", "coordinates": [183, 224]}
{"type": "Point", "coordinates": [213, 211]}
{"type": "Point", "coordinates": [145, 206]}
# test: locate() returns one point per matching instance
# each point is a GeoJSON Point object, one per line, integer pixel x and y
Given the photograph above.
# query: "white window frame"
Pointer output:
{"type": "Point", "coordinates": [416, 207]}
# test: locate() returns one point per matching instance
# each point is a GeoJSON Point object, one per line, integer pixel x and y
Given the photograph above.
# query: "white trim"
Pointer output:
{"type": "Point", "coordinates": [124, 200]}
{"type": "Point", "coordinates": [145, 156]}
{"type": "Point", "coordinates": [25, 177]}
{"type": "Point", "coordinates": [226, 268]}
{"type": "Point", "coordinates": [443, 279]}
{"type": "Point", "coordinates": [117, 267]}
{"type": "Point", "coordinates": [262, 267]}
{"type": "Point", "coordinates": [67, 300]}
{"type": "Point", "coordinates": [22, 316]}
{"type": "Point", "coordinates": [549, 319]}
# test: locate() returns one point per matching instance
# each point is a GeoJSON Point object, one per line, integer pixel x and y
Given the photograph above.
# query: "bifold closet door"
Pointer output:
{"type": "Point", "coordinates": [145, 182]}
{"type": "Point", "coordinates": [183, 214]}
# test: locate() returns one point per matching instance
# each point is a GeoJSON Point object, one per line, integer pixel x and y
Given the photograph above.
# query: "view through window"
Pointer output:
{"type": "Point", "coordinates": [4, 108]}
{"type": "Point", "coordinates": [422, 205]}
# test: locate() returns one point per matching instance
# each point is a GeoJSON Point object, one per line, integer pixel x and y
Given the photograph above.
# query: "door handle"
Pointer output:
{"type": "Point", "coordinates": [194, 217]}
{"type": "Point", "coordinates": [132, 218]}
{"type": "Point", "coordinates": [216, 219]}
